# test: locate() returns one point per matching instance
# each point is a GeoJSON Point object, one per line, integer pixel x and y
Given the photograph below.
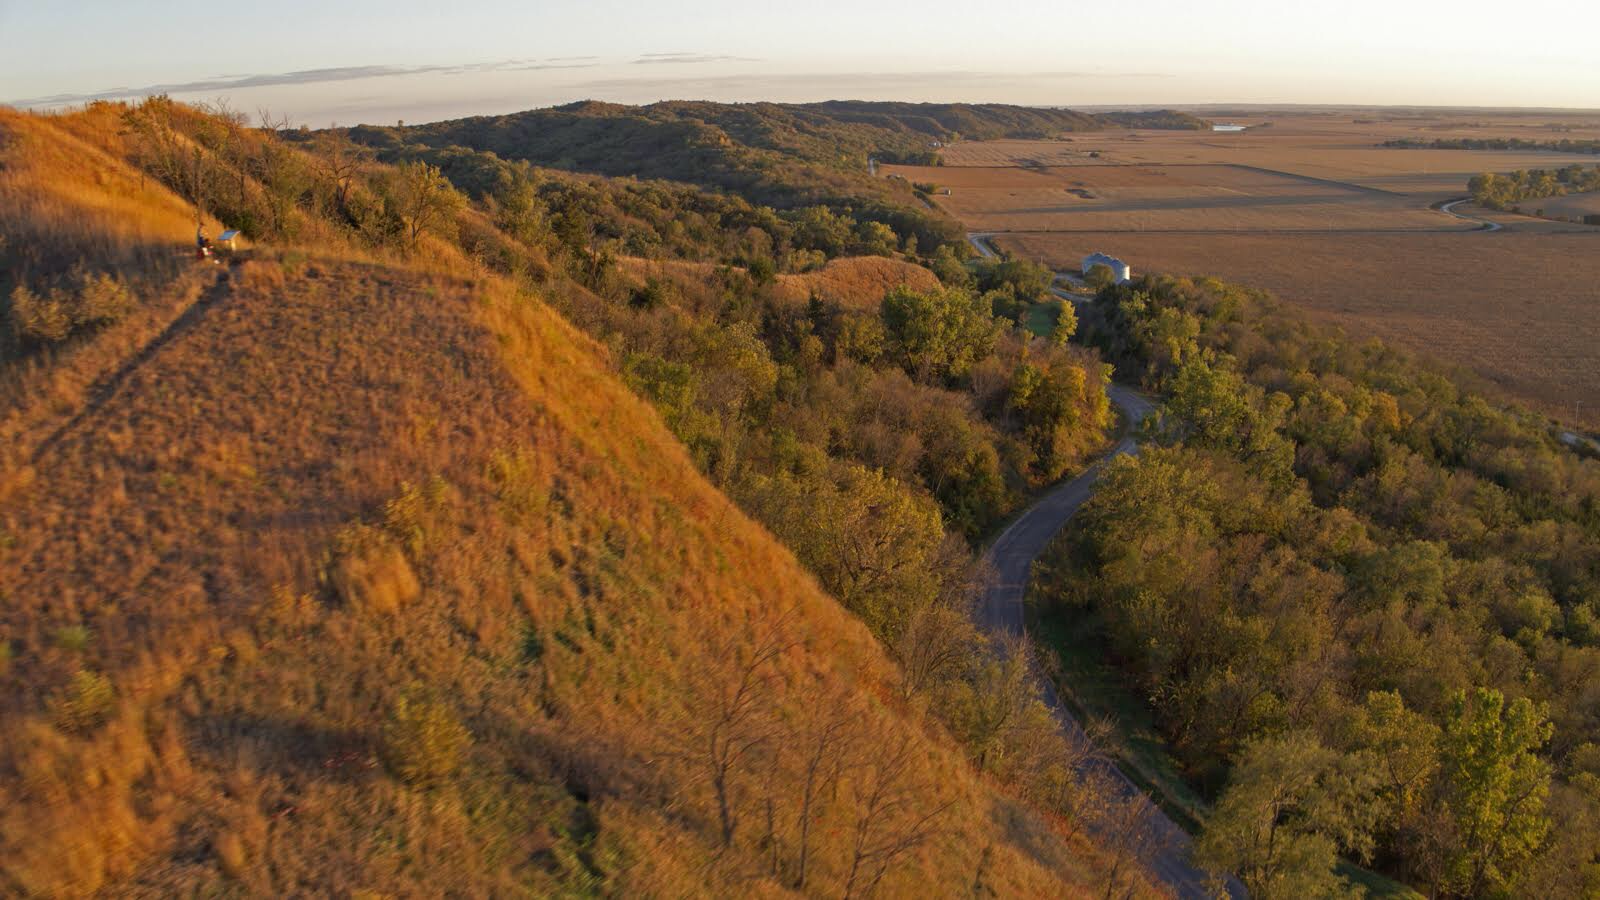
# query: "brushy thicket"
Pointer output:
{"type": "Point", "coordinates": [1363, 602]}
{"type": "Point", "coordinates": [370, 574]}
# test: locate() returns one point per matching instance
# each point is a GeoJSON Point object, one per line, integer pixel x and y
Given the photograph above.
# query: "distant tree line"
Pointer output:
{"type": "Point", "coordinates": [1564, 145]}
{"type": "Point", "coordinates": [1506, 191]}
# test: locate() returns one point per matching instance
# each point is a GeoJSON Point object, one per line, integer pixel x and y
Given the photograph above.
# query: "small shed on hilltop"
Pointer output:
{"type": "Point", "coordinates": [1119, 269]}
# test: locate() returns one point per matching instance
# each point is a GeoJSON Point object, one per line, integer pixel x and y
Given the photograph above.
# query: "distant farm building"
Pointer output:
{"type": "Point", "coordinates": [1119, 269]}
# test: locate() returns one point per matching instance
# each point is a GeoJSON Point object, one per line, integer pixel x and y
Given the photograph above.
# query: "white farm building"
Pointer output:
{"type": "Point", "coordinates": [1119, 269]}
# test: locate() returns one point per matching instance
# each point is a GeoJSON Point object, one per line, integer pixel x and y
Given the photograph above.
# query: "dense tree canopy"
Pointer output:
{"type": "Point", "coordinates": [1328, 539]}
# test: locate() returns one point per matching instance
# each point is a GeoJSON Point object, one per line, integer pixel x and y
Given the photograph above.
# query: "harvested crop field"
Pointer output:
{"type": "Point", "coordinates": [1307, 203]}
{"type": "Point", "coordinates": [1520, 309]}
{"type": "Point", "coordinates": [1572, 206]}
{"type": "Point", "coordinates": [1181, 197]}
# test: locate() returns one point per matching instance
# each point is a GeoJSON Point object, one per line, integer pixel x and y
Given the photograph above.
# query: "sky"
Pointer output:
{"type": "Point", "coordinates": [355, 61]}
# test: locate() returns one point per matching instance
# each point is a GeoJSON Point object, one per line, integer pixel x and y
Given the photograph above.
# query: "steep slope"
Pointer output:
{"type": "Point", "coordinates": [354, 577]}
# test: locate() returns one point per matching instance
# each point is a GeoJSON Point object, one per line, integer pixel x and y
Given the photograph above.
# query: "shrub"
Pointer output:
{"type": "Point", "coordinates": [423, 741]}
{"type": "Point", "coordinates": [369, 571]}
{"type": "Point", "coordinates": [42, 320]}
{"type": "Point", "coordinates": [85, 703]}
{"type": "Point", "coordinates": [73, 637]}
{"type": "Point", "coordinates": [86, 301]}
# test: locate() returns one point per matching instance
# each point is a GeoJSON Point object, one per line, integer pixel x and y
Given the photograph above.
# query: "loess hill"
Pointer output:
{"type": "Point", "coordinates": [336, 572]}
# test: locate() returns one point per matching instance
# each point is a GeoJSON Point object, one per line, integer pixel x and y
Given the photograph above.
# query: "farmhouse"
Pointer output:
{"type": "Point", "coordinates": [1119, 269]}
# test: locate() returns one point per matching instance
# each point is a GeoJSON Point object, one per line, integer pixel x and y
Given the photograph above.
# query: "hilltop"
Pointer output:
{"type": "Point", "coordinates": [350, 565]}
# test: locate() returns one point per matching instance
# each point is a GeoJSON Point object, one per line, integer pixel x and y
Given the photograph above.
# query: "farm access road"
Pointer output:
{"type": "Point", "coordinates": [1000, 613]}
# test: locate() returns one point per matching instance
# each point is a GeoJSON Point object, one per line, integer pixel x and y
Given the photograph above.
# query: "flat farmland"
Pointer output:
{"type": "Point", "coordinates": [1572, 206]}
{"type": "Point", "coordinates": [1306, 203]}
{"type": "Point", "coordinates": [1167, 197]}
{"type": "Point", "coordinates": [1069, 151]}
{"type": "Point", "coordinates": [1521, 309]}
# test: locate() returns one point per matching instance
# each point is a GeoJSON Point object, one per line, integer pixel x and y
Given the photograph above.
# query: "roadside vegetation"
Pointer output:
{"type": "Point", "coordinates": [1360, 602]}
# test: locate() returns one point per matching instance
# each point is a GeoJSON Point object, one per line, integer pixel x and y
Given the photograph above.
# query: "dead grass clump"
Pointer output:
{"type": "Point", "coordinates": [423, 741]}
{"type": "Point", "coordinates": [369, 572]}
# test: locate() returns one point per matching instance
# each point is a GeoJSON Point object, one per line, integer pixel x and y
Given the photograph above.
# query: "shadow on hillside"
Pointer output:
{"type": "Point", "coordinates": [107, 388]}
{"type": "Point", "coordinates": [287, 747]}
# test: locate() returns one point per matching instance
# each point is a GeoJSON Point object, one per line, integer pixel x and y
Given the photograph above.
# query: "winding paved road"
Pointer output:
{"type": "Point", "coordinates": [1001, 613]}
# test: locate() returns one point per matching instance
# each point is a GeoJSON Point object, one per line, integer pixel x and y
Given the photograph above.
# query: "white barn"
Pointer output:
{"type": "Point", "coordinates": [1119, 269]}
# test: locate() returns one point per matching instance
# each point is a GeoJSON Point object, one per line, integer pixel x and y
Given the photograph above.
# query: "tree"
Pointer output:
{"type": "Point", "coordinates": [1028, 280]}
{"type": "Point", "coordinates": [872, 542]}
{"type": "Point", "coordinates": [895, 812]}
{"type": "Point", "coordinates": [938, 335]}
{"type": "Point", "coordinates": [875, 239]}
{"type": "Point", "coordinates": [1493, 786]}
{"type": "Point", "coordinates": [340, 161]}
{"type": "Point", "coordinates": [951, 269]}
{"type": "Point", "coordinates": [516, 205]}
{"type": "Point", "coordinates": [1099, 277]}
{"type": "Point", "coordinates": [1404, 747]}
{"type": "Point", "coordinates": [729, 718]}
{"type": "Point", "coordinates": [283, 175]}
{"type": "Point", "coordinates": [424, 201]}
{"type": "Point", "coordinates": [825, 746]}
{"type": "Point", "coordinates": [1289, 806]}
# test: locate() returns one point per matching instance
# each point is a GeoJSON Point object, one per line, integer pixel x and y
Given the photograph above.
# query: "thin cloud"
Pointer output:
{"type": "Point", "coordinates": [852, 83]}
{"type": "Point", "coordinates": [303, 76]}
{"type": "Point", "coordinates": [648, 59]}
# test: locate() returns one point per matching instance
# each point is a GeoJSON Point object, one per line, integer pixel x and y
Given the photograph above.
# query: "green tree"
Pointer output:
{"type": "Point", "coordinates": [875, 544]}
{"type": "Point", "coordinates": [940, 334]}
{"type": "Point", "coordinates": [1492, 786]}
{"type": "Point", "coordinates": [424, 201]}
{"type": "Point", "coordinates": [1289, 807]}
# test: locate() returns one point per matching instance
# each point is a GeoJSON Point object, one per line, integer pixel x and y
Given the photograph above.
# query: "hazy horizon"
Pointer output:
{"type": "Point", "coordinates": [380, 62]}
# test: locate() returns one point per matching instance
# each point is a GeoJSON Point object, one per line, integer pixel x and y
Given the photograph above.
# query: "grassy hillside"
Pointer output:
{"type": "Point", "coordinates": [350, 567]}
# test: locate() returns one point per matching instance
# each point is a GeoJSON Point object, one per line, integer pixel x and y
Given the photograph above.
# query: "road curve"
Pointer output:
{"type": "Point", "coordinates": [1449, 209]}
{"type": "Point", "coordinates": [1011, 557]}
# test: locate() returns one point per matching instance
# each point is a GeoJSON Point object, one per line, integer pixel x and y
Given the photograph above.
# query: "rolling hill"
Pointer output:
{"type": "Point", "coordinates": [338, 569]}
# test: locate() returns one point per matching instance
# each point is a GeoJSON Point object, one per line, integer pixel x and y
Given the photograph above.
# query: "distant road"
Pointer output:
{"type": "Point", "coordinates": [1449, 209]}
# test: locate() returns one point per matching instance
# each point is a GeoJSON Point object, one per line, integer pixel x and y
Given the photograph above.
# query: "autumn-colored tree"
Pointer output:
{"type": "Point", "coordinates": [1493, 787]}
{"type": "Point", "coordinates": [1291, 804]}
{"type": "Point", "coordinates": [425, 203]}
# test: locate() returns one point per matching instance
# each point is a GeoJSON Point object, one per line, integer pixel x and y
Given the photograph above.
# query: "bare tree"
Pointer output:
{"type": "Point", "coordinates": [937, 642]}
{"type": "Point", "coordinates": [826, 748]}
{"type": "Point", "coordinates": [282, 172]}
{"type": "Point", "coordinates": [1125, 824]}
{"type": "Point", "coordinates": [895, 814]}
{"type": "Point", "coordinates": [340, 161]}
{"type": "Point", "coordinates": [731, 719]}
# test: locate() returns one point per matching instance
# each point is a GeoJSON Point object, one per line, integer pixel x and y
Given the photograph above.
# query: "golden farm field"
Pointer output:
{"type": "Point", "coordinates": [1181, 197]}
{"type": "Point", "coordinates": [1572, 206]}
{"type": "Point", "coordinates": [1522, 310]}
{"type": "Point", "coordinates": [1308, 204]}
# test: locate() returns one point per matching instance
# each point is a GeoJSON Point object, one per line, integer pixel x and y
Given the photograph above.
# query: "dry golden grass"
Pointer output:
{"type": "Point", "coordinates": [859, 282]}
{"type": "Point", "coordinates": [239, 535]}
{"type": "Point", "coordinates": [1520, 309]}
{"type": "Point", "coordinates": [65, 192]}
